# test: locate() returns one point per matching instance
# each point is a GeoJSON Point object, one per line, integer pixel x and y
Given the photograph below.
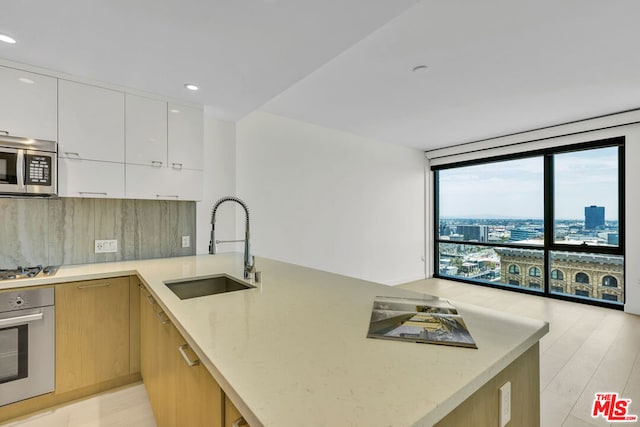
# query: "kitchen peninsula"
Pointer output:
{"type": "Point", "coordinates": [293, 350]}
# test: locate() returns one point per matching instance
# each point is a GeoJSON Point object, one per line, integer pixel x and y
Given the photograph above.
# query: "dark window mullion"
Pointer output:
{"type": "Point", "coordinates": [436, 225]}
{"type": "Point", "coordinates": [549, 221]}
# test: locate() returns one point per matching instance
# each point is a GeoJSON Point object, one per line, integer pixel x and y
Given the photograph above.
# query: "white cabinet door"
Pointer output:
{"type": "Point", "coordinates": [90, 122]}
{"type": "Point", "coordinates": [186, 134]}
{"type": "Point", "coordinates": [146, 182]}
{"type": "Point", "coordinates": [87, 178]}
{"type": "Point", "coordinates": [187, 183]}
{"type": "Point", "coordinates": [28, 104]}
{"type": "Point", "coordinates": [146, 131]}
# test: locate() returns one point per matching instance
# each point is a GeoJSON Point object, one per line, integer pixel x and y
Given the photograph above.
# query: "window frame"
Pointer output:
{"type": "Point", "coordinates": [550, 245]}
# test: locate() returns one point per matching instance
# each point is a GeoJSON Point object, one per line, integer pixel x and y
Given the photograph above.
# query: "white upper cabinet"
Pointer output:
{"type": "Point", "coordinates": [146, 131]}
{"type": "Point", "coordinates": [186, 136]}
{"type": "Point", "coordinates": [145, 182]}
{"type": "Point", "coordinates": [91, 179]}
{"type": "Point", "coordinates": [90, 122]}
{"type": "Point", "coordinates": [28, 104]}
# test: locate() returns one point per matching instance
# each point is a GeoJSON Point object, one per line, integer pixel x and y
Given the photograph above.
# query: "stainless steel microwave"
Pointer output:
{"type": "Point", "coordinates": [28, 167]}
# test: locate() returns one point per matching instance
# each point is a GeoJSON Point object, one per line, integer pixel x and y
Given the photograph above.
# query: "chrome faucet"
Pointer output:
{"type": "Point", "coordinates": [249, 266]}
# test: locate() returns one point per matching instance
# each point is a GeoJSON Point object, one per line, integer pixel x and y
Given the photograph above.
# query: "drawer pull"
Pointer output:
{"type": "Point", "coordinates": [162, 316]}
{"type": "Point", "coordinates": [6, 132]}
{"type": "Point", "coordinates": [149, 299]}
{"type": "Point", "coordinates": [240, 422]}
{"type": "Point", "coordinates": [156, 163]}
{"type": "Point", "coordinates": [190, 362]}
{"type": "Point", "coordinates": [95, 285]}
{"type": "Point", "coordinates": [72, 153]}
{"type": "Point", "coordinates": [167, 195]}
{"type": "Point", "coordinates": [102, 193]}
{"type": "Point", "coordinates": [176, 166]}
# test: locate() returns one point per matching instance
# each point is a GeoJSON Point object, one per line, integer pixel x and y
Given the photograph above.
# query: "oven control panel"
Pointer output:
{"type": "Point", "coordinates": [26, 298]}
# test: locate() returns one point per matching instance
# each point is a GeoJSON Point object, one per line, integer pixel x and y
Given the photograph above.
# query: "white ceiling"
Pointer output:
{"type": "Point", "coordinates": [240, 52]}
{"type": "Point", "coordinates": [494, 66]}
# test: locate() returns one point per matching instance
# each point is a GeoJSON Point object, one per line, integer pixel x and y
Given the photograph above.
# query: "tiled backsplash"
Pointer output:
{"type": "Point", "coordinates": [62, 231]}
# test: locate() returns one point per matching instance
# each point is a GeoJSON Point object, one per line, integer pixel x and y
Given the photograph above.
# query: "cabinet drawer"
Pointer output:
{"type": "Point", "coordinates": [87, 178]}
{"type": "Point", "coordinates": [147, 182]}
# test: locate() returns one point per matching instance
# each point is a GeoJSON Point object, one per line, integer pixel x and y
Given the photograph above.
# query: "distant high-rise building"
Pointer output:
{"type": "Point", "coordinates": [478, 233]}
{"type": "Point", "coordinates": [519, 234]}
{"type": "Point", "coordinates": [593, 217]}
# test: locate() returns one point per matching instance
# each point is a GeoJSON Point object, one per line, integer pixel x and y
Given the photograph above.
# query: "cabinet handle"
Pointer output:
{"type": "Point", "coordinates": [102, 193]}
{"type": "Point", "coordinates": [240, 422]}
{"type": "Point", "coordinates": [190, 362]}
{"type": "Point", "coordinates": [149, 299]}
{"type": "Point", "coordinates": [95, 285]}
{"type": "Point", "coordinates": [167, 195]}
{"type": "Point", "coordinates": [71, 153]}
{"type": "Point", "coordinates": [176, 165]}
{"type": "Point", "coordinates": [6, 132]}
{"type": "Point", "coordinates": [164, 320]}
{"type": "Point", "coordinates": [156, 163]}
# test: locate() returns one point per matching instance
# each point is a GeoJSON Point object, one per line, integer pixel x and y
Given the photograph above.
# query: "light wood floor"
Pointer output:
{"type": "Point", "coordinates": [588, 350]}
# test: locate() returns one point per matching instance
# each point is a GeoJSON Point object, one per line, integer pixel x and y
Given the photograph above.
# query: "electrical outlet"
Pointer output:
{"type": "Point", "coordinates": [505, 404]}
{"type": "Point", "coordinates": [106, 246]}
{"type": "Point", "coordinates": [186, 241]}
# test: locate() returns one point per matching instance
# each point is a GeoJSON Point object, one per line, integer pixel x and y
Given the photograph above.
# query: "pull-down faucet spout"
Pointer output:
{"type": "Point", "coordinates": [248, 258]}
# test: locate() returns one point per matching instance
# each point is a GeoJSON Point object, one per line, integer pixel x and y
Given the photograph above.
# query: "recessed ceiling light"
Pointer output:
{"type": "Point", "coordinates": [5, 38]}
{"type": "Point", "coordinates": [419, 68]}
{"type": "Point", "coordinates": [26, 80]}
{"type": "Point", "coordinates": [191, 86]}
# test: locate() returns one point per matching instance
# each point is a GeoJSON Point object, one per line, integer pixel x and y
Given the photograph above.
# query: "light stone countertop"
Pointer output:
{"type": "Point", "coordinates": [293, 351]}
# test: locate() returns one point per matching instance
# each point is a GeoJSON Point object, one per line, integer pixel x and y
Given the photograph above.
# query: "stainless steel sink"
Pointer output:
{"type": "Point", "coordinates": [201, 286]}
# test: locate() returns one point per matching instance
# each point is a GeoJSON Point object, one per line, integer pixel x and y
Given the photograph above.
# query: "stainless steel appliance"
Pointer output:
{"type": "Point", "coordinates": [27, 344]}
{"type": "Point", "coordinates": [26, 272]}
{"type": "Point", "coordinates": [28, 167]}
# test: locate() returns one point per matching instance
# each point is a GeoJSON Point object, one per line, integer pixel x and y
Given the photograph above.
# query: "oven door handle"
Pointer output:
{"type": "Point", "coordinates": [14, 321]}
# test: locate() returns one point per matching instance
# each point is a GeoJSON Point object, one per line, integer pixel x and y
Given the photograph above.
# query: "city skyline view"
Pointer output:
{"type": "Point", "coordinates": [492, 229]}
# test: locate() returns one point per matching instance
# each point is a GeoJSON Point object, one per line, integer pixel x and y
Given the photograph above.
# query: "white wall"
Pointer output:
{"type": "Point", "coordinates": [219, 180]}
{"type": "Point", "coordinates": [332, 200]}
{"type": "Point", "coordinates": [632, 213]}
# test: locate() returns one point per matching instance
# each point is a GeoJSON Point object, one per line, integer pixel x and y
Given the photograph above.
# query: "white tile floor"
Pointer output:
{"type": "Point", "coordinates": [588, 350]}
{"type": "Point", "coordinates": [125, 407]}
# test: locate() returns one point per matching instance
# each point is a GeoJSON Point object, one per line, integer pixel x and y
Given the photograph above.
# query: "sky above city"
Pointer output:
{"type": "Point", "coordinates": [515, 188]}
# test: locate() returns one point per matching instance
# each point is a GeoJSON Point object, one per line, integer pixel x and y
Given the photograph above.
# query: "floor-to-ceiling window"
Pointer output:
{"type": "Point", "coordinates": [549, 222]}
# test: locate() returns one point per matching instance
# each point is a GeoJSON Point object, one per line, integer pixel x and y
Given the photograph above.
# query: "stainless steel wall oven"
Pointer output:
{"type": "Point", "coordinates": [27, 344]}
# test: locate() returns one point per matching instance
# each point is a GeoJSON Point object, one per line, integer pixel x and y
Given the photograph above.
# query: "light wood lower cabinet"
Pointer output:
{"type": "Point", "coordinates": [92, 332]}
{"type": "Point", "coordinates": [181, 390]}
{"type": "Point", "coordinates": [97, 342]}
{"type": "Point", "coordinates": [232, 417]}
